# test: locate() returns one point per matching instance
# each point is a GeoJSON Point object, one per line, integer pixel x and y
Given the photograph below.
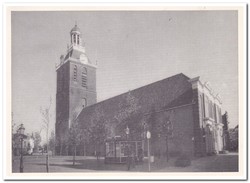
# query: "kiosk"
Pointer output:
{"type": "Point", "coordinates": [119, 150]}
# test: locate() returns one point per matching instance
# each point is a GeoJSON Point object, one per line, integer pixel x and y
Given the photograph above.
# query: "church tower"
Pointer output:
{"type": "Point", "coordinates": [76, 84]}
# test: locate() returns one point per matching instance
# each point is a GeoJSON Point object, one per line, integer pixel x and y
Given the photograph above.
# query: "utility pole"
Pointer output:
{"type": "Point", "coordinates": [148, 137]}
{"type": "Point", "coordinates": [21, 133]}
{"type": "Point", "coordinates": [167, 148]}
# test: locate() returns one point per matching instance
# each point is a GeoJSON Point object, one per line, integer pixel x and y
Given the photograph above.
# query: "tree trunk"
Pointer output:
{"type": "Point", "coordinates": [84, 148]}
{"type": "Point", "coordinates": [47, 162]}
{"type": "Point", "coordinates": [167, 153]}
{"type": "Point", "coordinates": [74, 156]}
{"type": "Point", "coordinates": [60, 149]}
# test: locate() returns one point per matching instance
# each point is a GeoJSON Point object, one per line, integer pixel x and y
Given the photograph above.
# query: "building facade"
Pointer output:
{"type": "Point", "coordinates": [208, 126]}
{"type": "Point", "coordinates": [188, 105]}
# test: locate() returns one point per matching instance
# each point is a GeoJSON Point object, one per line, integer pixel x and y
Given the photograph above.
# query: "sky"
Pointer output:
{"type": "Point", "coordinates": [131, 48]}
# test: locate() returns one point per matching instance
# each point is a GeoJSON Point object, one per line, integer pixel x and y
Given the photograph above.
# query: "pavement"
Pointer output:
{"type": "Point", "coordinates": [216, 163]}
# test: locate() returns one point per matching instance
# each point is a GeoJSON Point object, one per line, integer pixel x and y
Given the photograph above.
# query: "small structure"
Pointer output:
{"type": "Point", "coordinates": [118, 150]}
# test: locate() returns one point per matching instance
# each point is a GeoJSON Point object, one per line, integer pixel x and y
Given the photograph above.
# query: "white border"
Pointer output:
{"type": "Point", "coordinates": [122, 6]}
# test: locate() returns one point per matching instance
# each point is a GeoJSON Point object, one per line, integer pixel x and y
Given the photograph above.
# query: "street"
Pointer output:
{"type": "Point", "coordinates": [217, 163]}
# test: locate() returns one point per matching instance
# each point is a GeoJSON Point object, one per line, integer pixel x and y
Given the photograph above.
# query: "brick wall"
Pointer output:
{"type": "Point", "coordinates": [161, 95]}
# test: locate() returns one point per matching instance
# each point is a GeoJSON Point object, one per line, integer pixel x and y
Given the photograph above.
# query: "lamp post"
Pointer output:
{"type": "Point", "coordinates": [127, 134]}
{"type": "Point", "coordinates": [168, 127]}
{"type": "Point", "coordinates": [21, 133]}
{"type": "Point", "coordinates": [148, 137]}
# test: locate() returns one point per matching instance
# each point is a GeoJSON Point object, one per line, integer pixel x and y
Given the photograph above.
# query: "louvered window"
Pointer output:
{"type": "Point", "coordinates": [84, 78]}
{"type": "Point", "coordinates": [75, 73]}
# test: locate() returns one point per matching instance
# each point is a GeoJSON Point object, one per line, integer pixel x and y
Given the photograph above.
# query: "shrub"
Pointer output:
{"type": "Point", "coordinates": [183, 161]}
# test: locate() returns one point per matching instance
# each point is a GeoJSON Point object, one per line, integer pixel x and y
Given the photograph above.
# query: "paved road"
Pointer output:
{"type": "Point", "coordinates": [218, 163]}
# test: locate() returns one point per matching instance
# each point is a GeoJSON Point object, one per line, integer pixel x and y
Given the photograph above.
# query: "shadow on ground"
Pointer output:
{"type": "Point", "coordinates": [90, 164]}
{"type": "Point", "coordinates": [217, 163]}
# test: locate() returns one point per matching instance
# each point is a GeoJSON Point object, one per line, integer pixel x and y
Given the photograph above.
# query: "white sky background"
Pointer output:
{"type": "Point", "coordinates": [132, 49]}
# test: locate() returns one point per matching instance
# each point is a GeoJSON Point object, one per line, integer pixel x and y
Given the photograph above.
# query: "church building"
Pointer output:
{"type": "Point", "coordinates": [189, 107]}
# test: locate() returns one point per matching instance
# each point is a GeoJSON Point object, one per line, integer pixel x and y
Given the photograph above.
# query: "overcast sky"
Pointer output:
{"type": "Point", "coordinates": [132, 49]}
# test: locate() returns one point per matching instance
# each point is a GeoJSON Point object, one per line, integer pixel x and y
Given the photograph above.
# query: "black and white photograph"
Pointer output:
{"type": "Point", "coordinates": [117, 90]}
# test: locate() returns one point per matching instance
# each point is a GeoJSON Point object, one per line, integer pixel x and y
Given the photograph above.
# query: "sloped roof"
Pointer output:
{"type": "Point", "coordinates": [169, 92]}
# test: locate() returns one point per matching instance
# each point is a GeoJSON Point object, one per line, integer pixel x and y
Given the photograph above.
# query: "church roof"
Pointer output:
{"type": "Point", "coordinates": [169, 92]}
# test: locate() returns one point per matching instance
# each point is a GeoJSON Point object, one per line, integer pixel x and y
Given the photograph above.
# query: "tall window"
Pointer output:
{"type": "Point", "coordinates": [215, 113]}
{"type": "Point", "coordinates": [84, 77]}
{"type": "Point", "coordinates": [74, 35]}
{"type": "Point", "coordinates": [84, 102]}
{"type": "Point", "coordinates": [210, 109]}
{"type": "Point", "coordinates": [219, 115]}
{"type": "Point", "coordinates": [206, 107]}
{"type": "Point", "coordinates": [202, 109]}
{"type": "Point", "coordinates": [78, 39]}
{"type": "Point", "coordinates": [75, 73]}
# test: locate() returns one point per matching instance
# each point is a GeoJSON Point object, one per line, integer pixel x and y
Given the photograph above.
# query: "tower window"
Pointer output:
{"type": "Point", "coordinates": [84, 102]}
{"type": "Point", "coordinates": [75, 73]}
{"type": "Point", "coordinates": [74, 38]}
{"type": "Point", "coordinates": [84, 78]}
{"type": "Point", "coordinates": [78, 39]}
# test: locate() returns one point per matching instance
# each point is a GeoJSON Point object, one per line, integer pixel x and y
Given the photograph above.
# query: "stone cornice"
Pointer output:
{"type": "Point", "coordinates": [204, 88]}
{"type": "Point", "coordinates": [70, 59]}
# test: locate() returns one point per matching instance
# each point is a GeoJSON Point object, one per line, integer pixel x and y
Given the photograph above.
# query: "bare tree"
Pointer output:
{"type": "Point", "coordinates": [37, 141]}
{"type": "Point", "coordinates": [45, 112]}
{"type": "Point", "coordinates": [52, 142]}
{"type": "Point", "coordinates": [13, 125]}
{"type": "Point", "coordinates": [98, 130]}
{"type": "Point", "coordinates": [76, 136]}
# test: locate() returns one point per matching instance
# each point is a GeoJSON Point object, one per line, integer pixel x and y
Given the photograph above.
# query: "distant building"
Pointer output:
{"type": "Point", "coordinates": [188, 105]}
{"type": "Point", "coordinates": [28, 144]}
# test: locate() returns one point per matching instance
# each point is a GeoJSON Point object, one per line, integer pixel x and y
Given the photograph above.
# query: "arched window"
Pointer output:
{"type": "Point", "coordinates": [74, 36]}
{"type": "Point", "coordinates": [75, 73]}
{"type": "Point", "coordinates": [84, 102]}
{"type": "Point", "coordinates": [84, 77]}
{"type": "Point", "coordinates": [78, 38]}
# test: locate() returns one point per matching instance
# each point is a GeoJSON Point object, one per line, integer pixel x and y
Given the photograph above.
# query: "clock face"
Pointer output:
{"type": "Point", "coordinates": [83, 59]}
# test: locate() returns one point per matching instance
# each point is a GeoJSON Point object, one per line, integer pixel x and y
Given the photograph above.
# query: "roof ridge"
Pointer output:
{"type": "Point", "coordinates": [180, 74]}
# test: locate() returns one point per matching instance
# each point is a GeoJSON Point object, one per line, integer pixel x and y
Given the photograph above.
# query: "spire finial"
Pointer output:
{"type": "Point", "coordinates": [76, 23]}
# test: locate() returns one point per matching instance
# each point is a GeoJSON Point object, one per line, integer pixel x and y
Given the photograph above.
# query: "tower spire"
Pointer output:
{"type": "Point", "coordinates": [75, 35]}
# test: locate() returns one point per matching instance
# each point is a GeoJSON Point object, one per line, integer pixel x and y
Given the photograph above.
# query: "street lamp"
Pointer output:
{"type": "Point", "coordinates": [127, 134]}
{"type": "Point", "coordinates": [21, 133]}
{"type": "Point", "coordinates": [168, 127]}
{"type": "Point", "coordinates": [148, 137]}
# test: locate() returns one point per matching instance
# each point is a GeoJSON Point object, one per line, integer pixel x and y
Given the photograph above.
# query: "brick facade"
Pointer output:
{"type": "Point", "coordinates": [170, 98]}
